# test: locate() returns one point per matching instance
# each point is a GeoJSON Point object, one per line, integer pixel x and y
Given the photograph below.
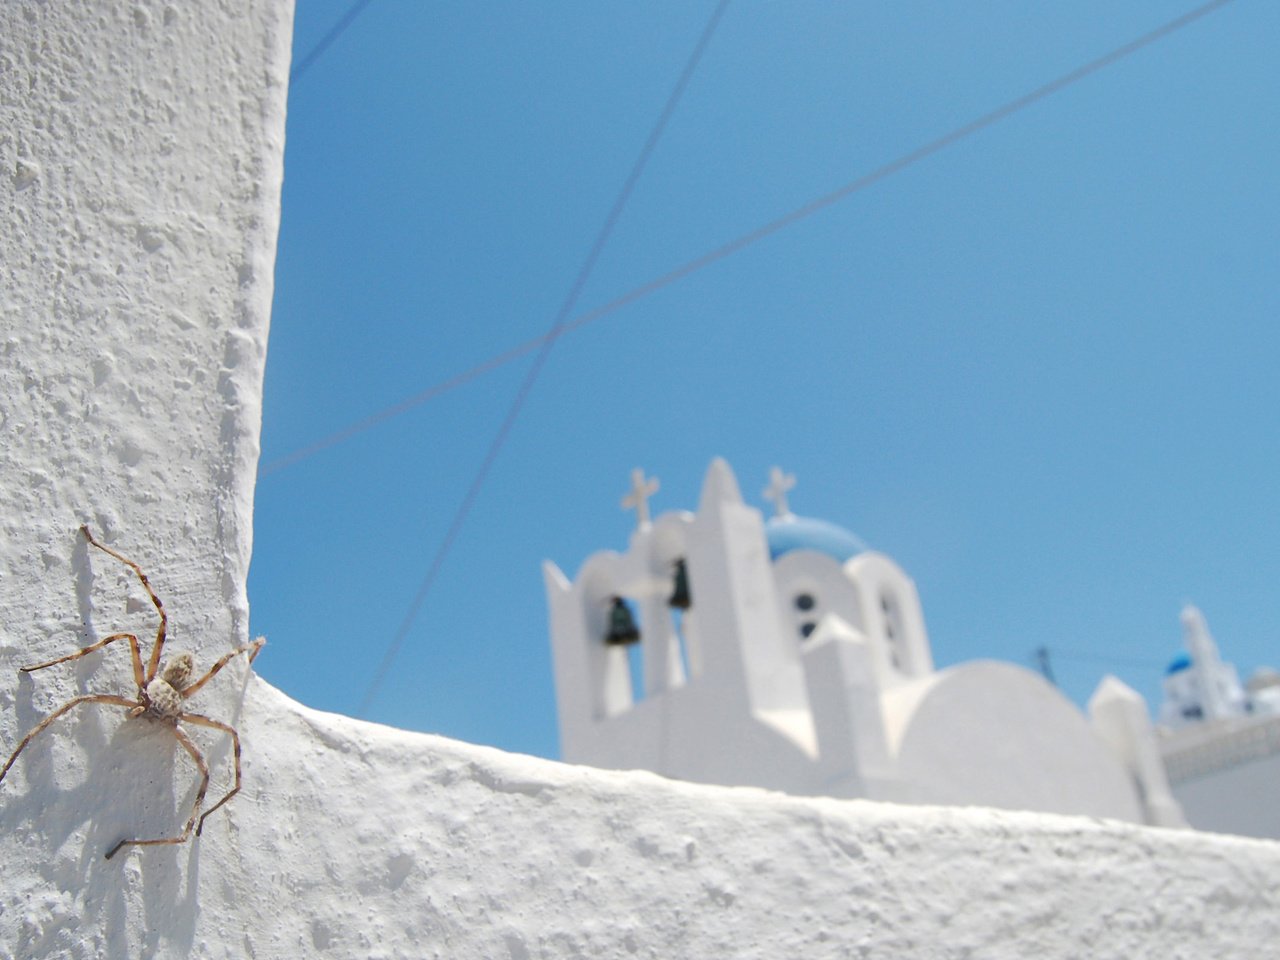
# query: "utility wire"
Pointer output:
{"type": "Point", "coordinates": [1086, 656]}
{"type": "Point", "coordinates": [303, 65]}
{"type": "Point", "coordinates": [746, 240]}
{"type": "Point", "coordinates": [547, 343]}
{"type": "Point", "coordinates": [404, 406]}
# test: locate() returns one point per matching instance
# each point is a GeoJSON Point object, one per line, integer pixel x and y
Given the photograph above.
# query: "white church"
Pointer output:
{"type": "Point", "coordinates": [782, 653]}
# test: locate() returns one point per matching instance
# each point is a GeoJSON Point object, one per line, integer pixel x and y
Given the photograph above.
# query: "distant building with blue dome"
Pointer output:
{"type": "Point", "coordinates": [1220, 739]}
{"type": "Point", "coordinates": [1198, 685]}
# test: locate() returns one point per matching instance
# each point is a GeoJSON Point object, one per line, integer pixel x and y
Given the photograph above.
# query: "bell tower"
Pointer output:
{"type": "Point", "coordinates": [702, 591]}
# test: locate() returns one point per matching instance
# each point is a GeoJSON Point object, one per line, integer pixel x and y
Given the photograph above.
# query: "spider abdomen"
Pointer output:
{"type": "Point", "coordinates": [164, 700]}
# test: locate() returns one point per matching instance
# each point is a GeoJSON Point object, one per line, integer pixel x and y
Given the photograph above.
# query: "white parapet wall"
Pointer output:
{"type": "Point", "coordinates": [141, 159]}
{"type": "Point", "coordinates": [140, 166]}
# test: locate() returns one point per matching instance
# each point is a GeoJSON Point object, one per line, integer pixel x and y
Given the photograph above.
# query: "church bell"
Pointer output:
{"type": "Point", "coordinates": [622, 625]}
{"type": "Point", "coordinates": [680, 598]}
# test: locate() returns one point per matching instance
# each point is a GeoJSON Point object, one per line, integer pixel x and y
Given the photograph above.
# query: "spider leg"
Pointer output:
{"type": "Point", "coordinates": [250, 648]}
{"type": "Point", "coordinates": [133, 648]}
{"type": "Point", "coordinates": [204, 786]}
{"type": "Point", "coordinates": [65, 708]}
{"type": "Point", "coordinates": [153, 664]}
{"type": "Point", "coordinates": [235, 747]}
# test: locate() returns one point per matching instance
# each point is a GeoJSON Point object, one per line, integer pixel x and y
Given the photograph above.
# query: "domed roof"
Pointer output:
{"type": "Point", "coordinates": [804, 533]}
{"type": "Point", "coordinates": [1178, 664]}
{"type": "Point", "coordinates": [1263, 678]}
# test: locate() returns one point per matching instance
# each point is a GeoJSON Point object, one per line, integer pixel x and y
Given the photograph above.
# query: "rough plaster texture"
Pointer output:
{"type": "Point", "coordinates": [139, 170]}
{"type": "Point", "coordinates": [354, 840]}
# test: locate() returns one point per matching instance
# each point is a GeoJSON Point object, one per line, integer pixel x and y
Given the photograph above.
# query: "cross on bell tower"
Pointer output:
{"type": "Point", "coordinates": [779, 484]}
{"type": "Point", "coordinates": [641, 491]}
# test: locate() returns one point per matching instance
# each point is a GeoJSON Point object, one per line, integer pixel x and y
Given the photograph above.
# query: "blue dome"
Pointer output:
{"type": "Point", "coordinates": [1180, 662]}
{"type": "Point", "coordinates": [802, 533]}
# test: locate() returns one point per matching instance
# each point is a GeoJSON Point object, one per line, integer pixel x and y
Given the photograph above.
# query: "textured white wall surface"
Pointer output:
{"type": "Point", "coordinates": [140, 167]}
{"type": "Point", "coordinates": [139, 175]}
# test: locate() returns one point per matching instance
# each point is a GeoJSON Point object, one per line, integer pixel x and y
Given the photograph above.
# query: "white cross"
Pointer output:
{"type": "Point", "coordinates": [779, 484]}
{"type": "Point", "coordinates": [641, 491]}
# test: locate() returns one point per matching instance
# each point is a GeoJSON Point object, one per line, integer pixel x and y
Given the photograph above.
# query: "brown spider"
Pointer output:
{"type": "Point", "coordinates": [160, 698]}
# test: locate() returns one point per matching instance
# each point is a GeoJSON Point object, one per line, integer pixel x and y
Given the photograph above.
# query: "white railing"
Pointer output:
{"type": "Point", "coordinates": [1227, 748]}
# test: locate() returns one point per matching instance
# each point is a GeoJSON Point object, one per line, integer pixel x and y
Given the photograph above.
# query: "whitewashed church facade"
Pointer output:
{"type": "Point", "coordinates": [802, 663]}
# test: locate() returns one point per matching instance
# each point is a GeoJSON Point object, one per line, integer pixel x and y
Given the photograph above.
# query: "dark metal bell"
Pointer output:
{"type": "Point", "coordinates": [622, 625]}
{"type": "Point", "coordinates": [680, 598]}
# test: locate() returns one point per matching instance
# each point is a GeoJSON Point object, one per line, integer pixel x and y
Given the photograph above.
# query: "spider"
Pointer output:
{"type": "Point", "coordinates": [161, 696]}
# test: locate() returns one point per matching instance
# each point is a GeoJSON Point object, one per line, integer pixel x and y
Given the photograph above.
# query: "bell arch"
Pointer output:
{"type": "Point", "coordinates": [893, 618]}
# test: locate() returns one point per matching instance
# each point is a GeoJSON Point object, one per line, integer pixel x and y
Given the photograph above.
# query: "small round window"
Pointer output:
{"type": "Point", "coordinates": [804, 601]}
{"type": "Point", "coordinates": [807, 628]}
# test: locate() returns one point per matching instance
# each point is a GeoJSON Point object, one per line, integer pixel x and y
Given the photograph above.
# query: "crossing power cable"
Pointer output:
{"type": "Point", "coordinates": [338, 29]}
{"type": "Point", "coordinates": [546, 344]}
{"type": "Point", "coordinates": [746, 240]}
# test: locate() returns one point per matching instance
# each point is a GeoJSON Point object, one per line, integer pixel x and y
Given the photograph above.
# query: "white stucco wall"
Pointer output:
{"type": "Point", "coordinates": [1241, 799]}
{"type": "Point", "coordinates": [359, 841]}
{"type": "Point", "coordinates": [140, 169]}
{"type": "Point", "coordinates": [139, 176]}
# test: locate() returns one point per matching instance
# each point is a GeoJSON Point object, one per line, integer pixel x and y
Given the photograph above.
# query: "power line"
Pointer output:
{"type": "Point", "coordinates": [338, 29]}
{"type": "Point", "coordinates": [748, 239]}
{"type": "Point", "coordinates": [1091, 656]}
{"type": "Point", "coordinates": [403, 406]}
{"type": "Point", "coordinates": [563, 325]}
{"type": "Point", "coordinates": [547, 343]}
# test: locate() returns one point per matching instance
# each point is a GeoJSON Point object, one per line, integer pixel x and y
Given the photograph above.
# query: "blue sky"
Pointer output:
{"type": "Point", "coordinates": [1038, 368]}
